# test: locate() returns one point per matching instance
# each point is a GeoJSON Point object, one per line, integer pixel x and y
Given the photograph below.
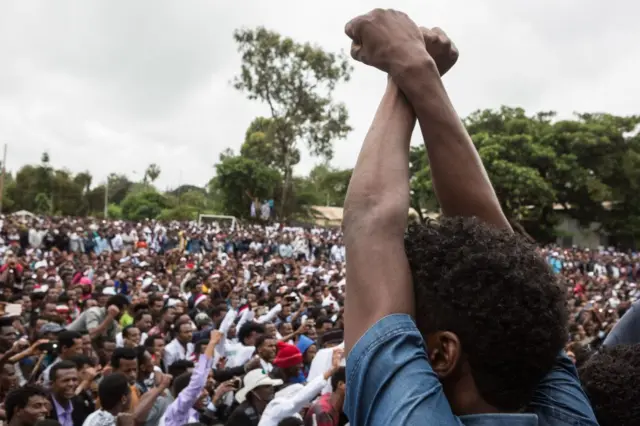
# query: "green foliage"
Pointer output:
{"type": "Point", "coordinates": [143, 205]}
{"type": "Point", "coordinates": [114, 211]}
{"type": "Point", "coordinates": [184, 212]}
{"type": "Point", "coordinates": [587, 168]}
{"type": "Point", "coordinates": [330, 184]}
{"type": "Point", "coordinates": [239, 179]}
{"type": "Point", "coordinates": [296, 81]}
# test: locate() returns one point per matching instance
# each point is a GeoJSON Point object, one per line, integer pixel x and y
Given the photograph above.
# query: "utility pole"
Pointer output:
{"type": "Point", "coordinates": [106, 199]}
{"type": "Point", "coordinates": [2, 176]}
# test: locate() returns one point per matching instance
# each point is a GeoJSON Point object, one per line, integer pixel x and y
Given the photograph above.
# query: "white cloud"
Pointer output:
{"type": "Point", "coordinates": [113, 85]}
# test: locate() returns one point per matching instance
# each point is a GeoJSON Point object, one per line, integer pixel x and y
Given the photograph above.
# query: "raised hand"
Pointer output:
{"type": "Point", "coordinates": [165, 381]}
{"type": "Point", "coordinates": [113, 311]}
{"type": "Point", "coordinates": [440, 47]}
{"type": "Point", "coordinates": [336, 358]}
{"type": "Point", "coordinates": [253, 364]}
{"type": "Point", "coordinates": [215, 336]}
{"type": "Point", "coordinates": [386, 39]}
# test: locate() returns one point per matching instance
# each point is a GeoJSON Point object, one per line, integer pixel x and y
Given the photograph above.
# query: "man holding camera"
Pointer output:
{"type": "Point", "coordinates": [69, 345]}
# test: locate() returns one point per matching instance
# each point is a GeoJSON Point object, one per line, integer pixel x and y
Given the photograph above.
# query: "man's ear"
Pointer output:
{"type": "Point", "coordinates": [444, 351]}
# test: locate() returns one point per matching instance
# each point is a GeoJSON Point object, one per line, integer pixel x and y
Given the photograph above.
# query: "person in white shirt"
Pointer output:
{"type": "Point", "coordinates": [291, 400]}
{"type": "Point", "coordinates": [321, 363]}
{"type": "Point", "coordinates": [248, 332]}
{"type": "Point", "coordinates": [181, 346]}
{"type": "Point", "coordinates": [117, 243]}
{"type": "Point", "coordinates": [143, 322]}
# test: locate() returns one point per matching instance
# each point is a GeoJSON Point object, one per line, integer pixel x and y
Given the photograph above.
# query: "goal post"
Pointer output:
{"type": "Point", "coordinates": [217, 220]}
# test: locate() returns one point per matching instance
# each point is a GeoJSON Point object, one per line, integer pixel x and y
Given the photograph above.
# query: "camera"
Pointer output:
{"type": "Point", "coordinates": [49, 347]}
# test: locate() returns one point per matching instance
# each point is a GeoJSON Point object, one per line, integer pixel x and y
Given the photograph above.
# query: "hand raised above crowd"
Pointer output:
{"type": "Point", "coordinates": [441, 48]}
{"type": "Point", "coordinates": [389, 40]}
{"type": "Point", "coordinates": [386, 39]}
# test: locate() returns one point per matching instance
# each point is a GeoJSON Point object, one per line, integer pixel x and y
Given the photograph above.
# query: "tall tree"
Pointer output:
{"type": "Point", "coordinates": [296, 81]}
{"type": "Point", "coordinates": [84, 180]}
{"type": "Point", "coordinates": [144, 205]}
{"type": "Point", "coordinates": [152, 173]}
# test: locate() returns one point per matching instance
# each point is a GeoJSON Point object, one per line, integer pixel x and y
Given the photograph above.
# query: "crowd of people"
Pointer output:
{"type": "Point", "coordinates": [170, 322]}
{"type": "Point", "coordinates": [178, 323]}
{"type": "Point", "coordinates": [460, 321]}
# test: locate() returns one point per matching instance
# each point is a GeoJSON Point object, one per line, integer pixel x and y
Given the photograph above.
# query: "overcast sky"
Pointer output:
{"type": "Point", "coordinates": [113, 85]}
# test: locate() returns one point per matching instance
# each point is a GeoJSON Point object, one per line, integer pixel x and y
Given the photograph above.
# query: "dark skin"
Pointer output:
{"type": "Point", "coordinates": [267, 350]}
{"type": "Point", "coordinates": [37, 408]}
{"type": "Point", "coordinates": [260, 397]}
{"type": "Point", "coordinates": [377, 200]}
{"type": "Point", "coordinates": [65, 384]}
{"type": "Point", "coordinates": [128, 367]}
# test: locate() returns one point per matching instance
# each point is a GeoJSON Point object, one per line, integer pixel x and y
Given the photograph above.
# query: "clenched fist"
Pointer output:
{"type": "Point", "coordinates": [386, 39]}
{"type": "Point", "coordinates": [440, 47]}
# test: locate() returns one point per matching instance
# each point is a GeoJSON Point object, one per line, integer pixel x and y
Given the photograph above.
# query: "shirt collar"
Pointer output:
{"type": "Point", "coordinates": [500, 419]}
{"type": "Point", "coordinates": [60, 409]}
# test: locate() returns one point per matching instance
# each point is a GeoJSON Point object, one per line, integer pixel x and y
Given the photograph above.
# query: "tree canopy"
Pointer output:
{"type": "Point", "coordinates": [296, 81]}
{"type": "Point", "coordinates": [587, 168]}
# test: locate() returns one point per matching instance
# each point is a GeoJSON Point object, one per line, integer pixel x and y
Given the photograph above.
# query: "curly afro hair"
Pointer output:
{"type": "Point", "coordinates": [611, 380]}
{"type": "Point", "coordinates": [490, 288]}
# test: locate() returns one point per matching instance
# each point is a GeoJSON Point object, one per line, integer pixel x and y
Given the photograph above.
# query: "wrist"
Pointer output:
{"type": "Point", "coordinates": [415, 71]}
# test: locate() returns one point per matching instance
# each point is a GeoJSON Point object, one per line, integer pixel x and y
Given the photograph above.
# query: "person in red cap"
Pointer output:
{"type": "Point", "coordinates": [288, 363]}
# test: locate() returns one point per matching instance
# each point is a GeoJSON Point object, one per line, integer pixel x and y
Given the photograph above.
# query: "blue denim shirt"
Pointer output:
{"type": "Point", "coordinates": [390, 382]}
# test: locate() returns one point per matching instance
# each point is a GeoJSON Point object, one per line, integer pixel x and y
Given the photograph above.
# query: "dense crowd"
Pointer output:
{"type": "Point", "coordinates": [182, 311]}
{"type": "Point", "coordinates": [185, 311]}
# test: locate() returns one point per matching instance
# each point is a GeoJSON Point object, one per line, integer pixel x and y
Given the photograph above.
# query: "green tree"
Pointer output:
{"type": "Point", "coordinates": [588, 166]}
{"type": "Point", "coordinates": [183, 212]}
{"type": "Point", "coordinates": [296, 81]}
{"type": "Point", "coordinates": [423, 198]}
{"type": "Point", "coordinates": [42, 204]}
{"type": "Point", "coordinates": [84, 180]}
{"type": "Point", "coordinates": [330, 184]}
{"type": "Point", "coordinates": [67, 195]}
{"type": "Point", "coordinates": [238, 179]}
{"type": "Point", "coordinates": [598, 178]}
{"type": "Point", "coordinates": [144, 205]}
{"type": "Point", "coordinates": [114, 211]}
{"type": "Point", "coordinates": [152, 173]}
{"type": "Point", "coordinates": [515, 151]}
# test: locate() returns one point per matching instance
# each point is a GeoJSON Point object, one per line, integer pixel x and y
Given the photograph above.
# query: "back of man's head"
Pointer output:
{"type": "Point", "coordinates": [611, 380]}
{"type": "Point", "coordinates": [340, 376]}
{"type": "Point", "coordinates": [492, 290]}
{"type": "Point", "coordinates": [118, 300]}
{"type": "Point", "coordinates": [111, 390]}
{"type": "Point", "coordinates": [248, 329]}
{"type": "Point", "coordinates": [181, 382]}
{"type": "Point", "coordinates": [179, 367]}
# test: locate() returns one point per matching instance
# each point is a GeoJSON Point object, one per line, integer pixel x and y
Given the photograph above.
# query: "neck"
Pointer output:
{"type": "Point", "coordinates": [259, 406]}
{"type": "Point", "coordinates": [115, 411]}
{"type": "Point", "coordinates": [61, 400]}
{"type": "Point", "coordinates": [15, 421]}
{"type": "Point", "coordinates": [465, 399]}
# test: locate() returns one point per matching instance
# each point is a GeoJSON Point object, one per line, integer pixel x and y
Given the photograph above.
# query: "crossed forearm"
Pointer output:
{"type": "Point", "coordinates": [459, 178]}
{"type": "Point", "coordinates": [376, 210]}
